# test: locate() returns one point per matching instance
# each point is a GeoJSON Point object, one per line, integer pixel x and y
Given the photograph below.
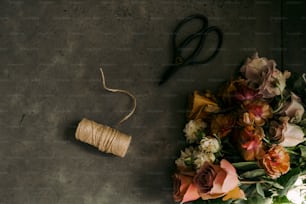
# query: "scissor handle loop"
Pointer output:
{"type": "Point", "coordinates": [178, 48]}
{"type": "Point", "coordinates": [219, 35]}
{"type": "Point", "coordinates": [201, 33]}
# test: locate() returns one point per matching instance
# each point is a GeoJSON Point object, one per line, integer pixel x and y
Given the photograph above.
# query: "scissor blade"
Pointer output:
{"type": "Point", "coordinates": [168, 73]}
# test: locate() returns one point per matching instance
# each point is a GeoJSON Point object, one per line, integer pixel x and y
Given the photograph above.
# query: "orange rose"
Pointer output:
{"type": "Point", "coordinates": [276, 161]}
{"type": "Point", "coordinates": [214, 181]}
{"type": "Point", "coordinates": [201, 105]}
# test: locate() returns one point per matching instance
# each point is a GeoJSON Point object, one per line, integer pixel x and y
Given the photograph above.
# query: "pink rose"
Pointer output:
{"type": "Point", "coordinates": [214, 181]}
{"type": "Point", "coordinates": [294, 110]}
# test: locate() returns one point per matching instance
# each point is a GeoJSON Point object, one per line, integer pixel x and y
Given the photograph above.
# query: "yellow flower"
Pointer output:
{"type": "Point", "coordinates": [200, 106]}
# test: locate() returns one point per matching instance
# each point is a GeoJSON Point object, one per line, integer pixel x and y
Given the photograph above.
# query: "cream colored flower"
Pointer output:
{"type": "Point", "coordinates": [186, 157]}
{"type": "Point", "coordinates": [293, 134]}
{"type": "Point", "coordinates": [209, 144]}
{"type": "Point", "coordinates": [202, 157]}
{"type": "Point", "coordinates": [192, 128]}
{"type": "Point", "coordinates": [294, 109]}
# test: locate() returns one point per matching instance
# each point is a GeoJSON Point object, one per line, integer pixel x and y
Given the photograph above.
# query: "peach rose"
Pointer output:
{"type": "Point", "coordinates": [214, 181]}
{"type": "Point", "coordinates": [276, 161]}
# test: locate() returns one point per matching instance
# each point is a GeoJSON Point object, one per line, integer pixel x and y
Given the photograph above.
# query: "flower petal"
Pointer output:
{"type": "Point", "coordinates": [191, 193]}
{"type": "Point", "coordinates": [236, 193]}
{"type": "Point", "coordinates": [218, 183]}
{"type": "Point", "coordinates": [231, 180]}
{"type": "Point", "coordinates": [293, 135]}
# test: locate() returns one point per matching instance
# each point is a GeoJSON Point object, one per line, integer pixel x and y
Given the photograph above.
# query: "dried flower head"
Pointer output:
{"type": "Point", "coordinates": [192, 129]}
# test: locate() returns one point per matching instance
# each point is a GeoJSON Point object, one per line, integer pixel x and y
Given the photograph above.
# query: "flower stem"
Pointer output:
{"type": "Point", "coordinates": [251, 182]}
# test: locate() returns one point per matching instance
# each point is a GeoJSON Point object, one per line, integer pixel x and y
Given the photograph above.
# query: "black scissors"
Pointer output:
{"type": "Point", "coordinates": [178, 60]}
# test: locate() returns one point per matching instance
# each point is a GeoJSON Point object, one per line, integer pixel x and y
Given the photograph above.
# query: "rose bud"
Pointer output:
{"type": "Point", "coordinates": [275, 132]}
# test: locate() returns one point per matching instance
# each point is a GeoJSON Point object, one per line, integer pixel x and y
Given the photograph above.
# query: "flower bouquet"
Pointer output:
{"type": "Point", "coordinates": [246, 143]}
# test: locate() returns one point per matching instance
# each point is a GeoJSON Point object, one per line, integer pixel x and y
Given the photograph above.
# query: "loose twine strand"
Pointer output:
{"type": "Point", "coordinates": [120, 91]}
{"type": "Point", "coordinates": [105, 138]}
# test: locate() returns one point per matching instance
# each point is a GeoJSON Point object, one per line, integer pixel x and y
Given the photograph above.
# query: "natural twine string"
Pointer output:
{"type": "Point", "coordinates": [105, 138]}
{"type": "Point", "coordinates": [120, 91]}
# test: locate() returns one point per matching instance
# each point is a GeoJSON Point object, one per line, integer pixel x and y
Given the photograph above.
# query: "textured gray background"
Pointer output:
{"type": "Point", "coordinates": [50, 52]}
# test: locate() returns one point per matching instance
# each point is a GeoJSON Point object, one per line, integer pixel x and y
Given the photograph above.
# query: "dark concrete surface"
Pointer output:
{"type": "Point", "coordinates": [50, 54]}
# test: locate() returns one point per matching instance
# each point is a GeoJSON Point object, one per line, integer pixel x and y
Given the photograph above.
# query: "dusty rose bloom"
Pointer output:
{"type": "Point", "coordinates": [273, 83]}
{"type": "Point", "coordinates": [257, 112]}
{"type": "Point", "coordinates": [255, 68]}
{"type": "Point", "coordinates": [276, 161]}
{"type": "Point", "coordinates": [294, 109]}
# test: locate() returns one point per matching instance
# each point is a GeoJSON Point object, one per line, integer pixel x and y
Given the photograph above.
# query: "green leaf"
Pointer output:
{"type": "Point", "coordinates": [254, 173]}
{"type": "Point", "coordinates": [245, 165]}
{"type": "Point", "coordinates": [259, 200]}
{"type": "Point", "coordinates": [259, 190]}
{"type": "Point", "coordinates": [281, 200]}
{"type": "Point", "coordinates": [303, 151]}
{"type": "Point", "coordinates": [288, 180]}
{"type": "Point", "coordinates": [275, 184]}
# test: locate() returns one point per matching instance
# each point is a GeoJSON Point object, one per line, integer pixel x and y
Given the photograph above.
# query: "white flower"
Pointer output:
{"type": "Point", "coordinates": [186, 157]}
{"type": "Point", "coordinates": [297, 194]}
{"type": "Point", "coordinates": [202, 157]}
{"type": "Point", "coordinates": [209, 144]}
{"type": "Point", "coordinates": [293, 135]}
{"type": "Point", "coordinates": [191, 129]}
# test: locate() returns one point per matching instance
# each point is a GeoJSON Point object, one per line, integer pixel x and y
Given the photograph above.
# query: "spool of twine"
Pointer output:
{"type": "Point", "coordinates": [105, 138]}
